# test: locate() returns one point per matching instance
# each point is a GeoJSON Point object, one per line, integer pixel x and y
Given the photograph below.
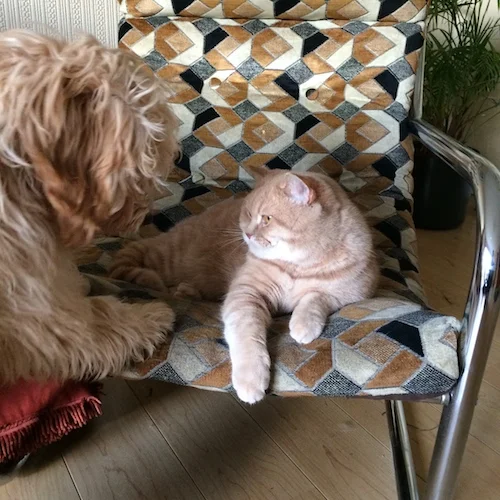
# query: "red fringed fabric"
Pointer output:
{"type": "Point", "coordinates": [33, 414]}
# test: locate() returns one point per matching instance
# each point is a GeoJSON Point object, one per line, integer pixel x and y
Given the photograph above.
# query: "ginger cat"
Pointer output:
{"type": "Point", "coordinates": [295, 244]}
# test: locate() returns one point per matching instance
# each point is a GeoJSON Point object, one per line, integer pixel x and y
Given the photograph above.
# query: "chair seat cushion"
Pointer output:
{"type": "Point", "coordinates": [382, 347]}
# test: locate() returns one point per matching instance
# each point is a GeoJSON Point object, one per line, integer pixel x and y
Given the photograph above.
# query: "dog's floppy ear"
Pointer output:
{"type": "Point", "coordinates": [91, 122]}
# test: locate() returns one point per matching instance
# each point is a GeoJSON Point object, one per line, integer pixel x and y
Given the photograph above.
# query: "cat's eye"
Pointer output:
{"type": "Point", "coordinates": [266, 219]}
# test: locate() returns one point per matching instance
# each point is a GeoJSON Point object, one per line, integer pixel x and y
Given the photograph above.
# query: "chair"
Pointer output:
{"type": "Point", "coordinates": [325, 86]}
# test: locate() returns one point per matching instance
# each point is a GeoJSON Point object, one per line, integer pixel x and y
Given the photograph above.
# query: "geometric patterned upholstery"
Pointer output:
{"type": "Point", "coordinates": [381, 347]}
{"type": "Point", "coordinates": [364, 10]}
{"type": "Point", "coordinates": [315, 94]}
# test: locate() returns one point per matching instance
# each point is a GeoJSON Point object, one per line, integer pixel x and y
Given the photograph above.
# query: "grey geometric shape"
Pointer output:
{"type": "Point", "coordinates": [398, 222]}
{"type": "Point", "coordinates": [206, 25]}
{"type": "Point", "coordinates": [240, 151]}
{"type": "Point", "coordinates": [177, 213]}
{"type": "Point", "coordinates": [408, 29]}
{"type": "Point", "coordinates": [398, 156]}
{"type": "Point", "coordinates": [155, 60]}
{"type": "Point", "coordinates": [237, 187]}
{"type": "Point", "coordinates": [336, 384]}
{"type": "Point", "coordinates": [184, 322]}
{"type": "Point", "coordinates": [345, 153]}
{"type": "Point", "coordinates": [350, 69]}
{"type": "Point", "coordinates": [188, 184]}
{"type": "Point", "coordinates": [198, 105]}
{"type": "Point", "coordinates": [296, 113]}
{"type": "Point", "coordinates": [92, 268]}
{"type": "Point", "coordinates": [429, 381]}
{"type": "Point", "coordinates": [166, 373]}
{"type": "Point", "coordinates": [250, 68]}
{"type": "Point", "coordinates": [292, 154]}
{"type": "Point", "coordinates": [299, 72]}
{"type": "Point", "coordinates": [336, 326]}
{"type": "Point", "coordinates": [203, 69]}
{"type": "Point", "coordinates": [110, 246]}
{"type": "Point", "coordinates": [254, 26]}
{"type": "Point", "coordinates": [401, 69]}
{"type": "Point", "coordinates": [355, 28]}
{"type": "Point", "coordinates": [246, 109]}
{"type": "Point", "coordinates": [418, 318]}
{"type": "Point", "coordinates": [305, 30]}
{"type": "Point", "coordinates": [191, 145]}
{"type": "Point", "coordinates": [158, 21]}
{"type": "Point", "coordinates": [346, 110]}
{"type": "Point", "coordinates": [397, 111]}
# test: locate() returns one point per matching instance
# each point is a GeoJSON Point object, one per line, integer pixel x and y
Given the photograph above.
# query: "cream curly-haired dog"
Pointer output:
{"type": "Point", "coordinates": [84, 134]}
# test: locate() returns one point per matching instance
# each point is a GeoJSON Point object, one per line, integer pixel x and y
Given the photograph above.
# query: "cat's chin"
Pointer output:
{"type": "Point", "coordinates": [278, 251]}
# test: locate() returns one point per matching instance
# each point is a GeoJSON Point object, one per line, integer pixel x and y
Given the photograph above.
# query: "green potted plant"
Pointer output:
{"type": "Point", "coordinates": [462, 68]}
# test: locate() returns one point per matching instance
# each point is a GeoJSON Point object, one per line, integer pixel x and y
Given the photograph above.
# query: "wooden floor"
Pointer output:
{"type": "Point", "coordinates": [156, 441]}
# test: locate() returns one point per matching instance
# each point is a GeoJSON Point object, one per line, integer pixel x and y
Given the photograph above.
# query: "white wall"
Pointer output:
{"type": "Point", "coordinates": [63, 17]}
{"type": "Point", "coordinates": [486, 139]}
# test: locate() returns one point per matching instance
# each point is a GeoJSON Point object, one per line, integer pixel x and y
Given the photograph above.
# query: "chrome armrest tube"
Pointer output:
{"type": "Point", "coordinates": [481, 310]}
{"type": "Point", "coordinates": [483, 303]}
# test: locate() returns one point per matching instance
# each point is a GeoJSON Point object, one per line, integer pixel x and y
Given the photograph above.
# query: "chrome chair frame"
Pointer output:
{"type": "Point", "coordinates": [477, 330]}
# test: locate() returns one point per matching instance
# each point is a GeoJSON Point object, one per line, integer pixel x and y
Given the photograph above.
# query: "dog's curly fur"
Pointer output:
{"type": "Point", "coordinates": [85, 134]}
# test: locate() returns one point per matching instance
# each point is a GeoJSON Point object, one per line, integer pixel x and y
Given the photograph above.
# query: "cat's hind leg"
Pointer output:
{"type": "Point", "coordinates": [132, 264]}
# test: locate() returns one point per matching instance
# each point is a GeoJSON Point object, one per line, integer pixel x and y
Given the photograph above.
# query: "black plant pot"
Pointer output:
{"type": "Point", "coordinates": [441, 195]}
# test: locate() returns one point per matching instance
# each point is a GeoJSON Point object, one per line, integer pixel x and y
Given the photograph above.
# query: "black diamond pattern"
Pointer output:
{"type": "Point", "coordinates": [288, 85]}
{"type": "Point", "coordinates": [213, 39]}
{"type": "Point", "coordinates": [313, 42]}
{"type": "Point", "coordinates": [205, 117]}
{"type": "Point", "coordinates": [407, 335]}
{"type": "Point", "coordinates": [388, 82]}
{"type": "Point", "coordinates": [192, 79]}
{"type": "Point", "coordinates": [304, 125]}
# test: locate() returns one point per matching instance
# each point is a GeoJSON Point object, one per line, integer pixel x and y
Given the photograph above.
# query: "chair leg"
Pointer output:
{"type": "Point", "coordinates": [452, 438]}
{"type": "Point", "coordinates": [406, 478]}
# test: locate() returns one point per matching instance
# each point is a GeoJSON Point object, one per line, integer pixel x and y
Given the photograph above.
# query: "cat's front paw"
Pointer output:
{"type": "Point", "coordinates": [251, 378]}
{"type": "Point", "coordinates": [304, 332]}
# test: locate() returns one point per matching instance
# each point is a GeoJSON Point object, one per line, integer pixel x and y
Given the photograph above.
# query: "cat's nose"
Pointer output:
{"type": "Point", "coordinates": [248, 235]}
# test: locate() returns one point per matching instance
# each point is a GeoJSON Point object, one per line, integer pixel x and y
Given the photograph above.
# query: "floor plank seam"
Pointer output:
{"type": "Point", "coordinates": [71, 476]}
{"type": "Point", "coordinates": [281, 449]}
{"type": "Point", "coordinates": [167, 441]}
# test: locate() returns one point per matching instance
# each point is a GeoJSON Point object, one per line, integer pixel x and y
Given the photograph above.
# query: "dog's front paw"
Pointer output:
{"type": "Point", "coordinates": [155, 321]}
{"type": "Point", "coordinates": [251, 378]}
{"type": "Point", "coordinates": [304, 332]}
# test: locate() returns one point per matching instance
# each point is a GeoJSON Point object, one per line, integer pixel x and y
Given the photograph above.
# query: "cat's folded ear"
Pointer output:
{"type": "Point", "coordinates": [300, 190]}
{"type": "Point", "coordinates": [258, 173]}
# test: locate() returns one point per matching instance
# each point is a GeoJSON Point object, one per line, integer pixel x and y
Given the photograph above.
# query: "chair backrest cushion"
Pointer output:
{"type": "Point", "coordinates": [312, 10]}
